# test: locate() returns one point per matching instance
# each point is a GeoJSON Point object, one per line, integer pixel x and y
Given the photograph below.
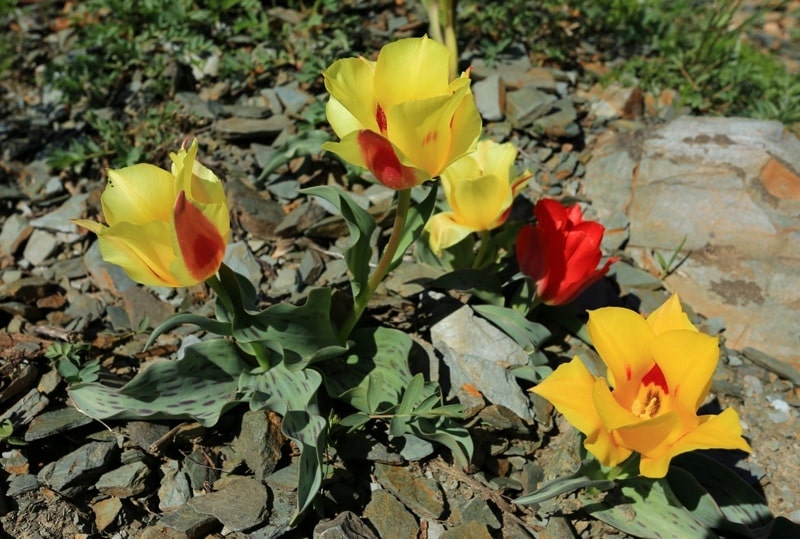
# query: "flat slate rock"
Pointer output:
{"type": "Point", "coordinates": [731, 188]}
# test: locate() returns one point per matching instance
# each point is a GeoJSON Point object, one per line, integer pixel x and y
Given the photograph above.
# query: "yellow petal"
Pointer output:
{"type": "Point", "coordinates": [496, 159]}
{"type": "Point", "coordinates": [444, 231]}
{"type": "Point", "coordinates": [653, 435]}
{"type": "Point", "coordinates": [602, 443]}
{"type": "Point", "coordinates": [569, 388]}
{"type": "Point", "coordinates": [622, 338]}
{"type": "Point", "coordinates": [688, 359]}
{"type": "Point", "coordinates": [351, 81]}
{"type": "Point", "coordinates": [424, 131]}
{"type": "Point", "coordinates": [138, 194]}
{"type": "Point", "coordinates": [612, 413]}
{"type": "Point", "coordinates": [411, 69]}
{"type": "Point", "coordinates": [198, 182]}
{"type": "Point", "coordinates": [93, 226]}
{"type": "Point", "coordinates": [478, 202]}
{"type": "Point", "coordinates": [143, 251]}
{"type": "Point", "coordinates": [669, 316]}
{"type": "Point", "coordinates": [721, 431]}
{"type": "Point", "coordinates": [341, 120]}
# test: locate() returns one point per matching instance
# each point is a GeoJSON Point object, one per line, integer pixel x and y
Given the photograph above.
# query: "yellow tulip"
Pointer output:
{"type": "Point", "coordinates": [659, 373]}
{"type": "Point", "coordinates": [399, 116]}
{"type": "Point", "coordinates": [164, 228]}
{"type": "Point", "coordinates": [480, 188]}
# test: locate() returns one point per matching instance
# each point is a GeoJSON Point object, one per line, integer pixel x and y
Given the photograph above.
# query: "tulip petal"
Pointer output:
{"type": "Point", "coordinates": [569, 389]}
{"type": "Point", "coordinates": [602, 444]}
{"type": "Point", "coordinates": [191, 176]}
{"type": "Point", "coordinates": [721, 431]}
{"type": "Point", "coordinates": [444, 231]}
{"type": "Point", "coordinates": [669, 316]}
{"type": "Point", "coordinates": [341, 120]}
{"type": "Point", "coordinates": [652, 435]}
{"type": "Point", "coordinates": [477, 202]}
{"type": "Point", "coordinates": [141, 251]}
{"type": "Point", "coordinates": [688, 359]}
{"type": "Point", "coordinates": [622, 338]}
{"type": "Point", "coordinates": [351, 82]}
{"type": "Point", "coordinates": [411, 69]}
{"type": "Point", "coordinates": [200, 243]}
{"type": "Point", "coordinates": [138, 194]}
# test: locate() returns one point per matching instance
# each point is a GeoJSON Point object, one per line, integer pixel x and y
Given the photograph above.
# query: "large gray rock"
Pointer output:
{"type": "Point", "coordinates": [731, 187]}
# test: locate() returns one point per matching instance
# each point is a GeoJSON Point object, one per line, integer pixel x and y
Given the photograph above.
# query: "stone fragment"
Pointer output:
{"type": "Point", "coordinates": [188, 523]}
{"type": "Point", "coordinates": [283, 505]}
{"type": "Point", "coordinates": [40, 246]}
{"type": "Point", "coordinates": [255, 213]}
{"type": "Point", "coordinates": [346, 525]}
{"type": "Point", "coordinates": [59, 220]}
{"type": "Point", "coordinates": [20, 484]}
{"type": "Point", "coordinates": [259, 442]}
{"type": "Point", "coordinates": [239, 503]}
{"type": "Point", "coordinates": [476, 510]}
{"type": "Point", "coordinates": [470, 530]}
{"type": "Point", "coordinates": [139, 303]}
{"type": "Point", "coordinates": [25, 409]}
{"type": "Point", "coordinates": [420, 494]}
{"type": "Point", "coordinates": [390, 517]}
{"type": "Point", "coordinates": [294, 100]}
{"type": "Point", "coordinates": [527, 104]}
{"type": "Point", "coordinates": [239, 258]}
{"type": "Point", "coordinates": [490, 97]}
{"type": "Point", "coordinates": [105, 512]}
{"type": "Point", "coordinates": [560, 121]}
{"type": "Point", "coordinates": [126, 481]}
{"type": "Point", "coordinates": [74, 472]}
{"type": "Point", "coordinates": [55, 422]}
{"type": "Point", "coordinates": [15, 230]}
{"type": "Point", "coordinates": [478, 353]}
{"type": "Point", "coordinates": [174, 490]}
{"type": "Point", "coordinates": [240, 129]}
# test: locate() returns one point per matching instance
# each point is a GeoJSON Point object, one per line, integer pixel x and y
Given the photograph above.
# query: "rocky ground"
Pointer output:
{"type": "Point", "coordinates": [652, 175]}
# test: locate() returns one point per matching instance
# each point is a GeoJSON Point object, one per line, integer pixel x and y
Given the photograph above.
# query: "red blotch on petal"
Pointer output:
{"type": "Point", "coordinates": [628, 373]}
{"type": "Point", "coordinates": [201, 245]}
{"type": "Point", "coordinates": [656, 377]}
{"type": "Point", "coordinates": [382, 161]}
{"type": "Point", "coordinates": [380, 117]}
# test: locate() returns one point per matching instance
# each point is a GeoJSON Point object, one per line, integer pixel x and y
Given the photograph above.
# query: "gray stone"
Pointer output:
{"type": "Point", "coordinates": [478, 353]}
{"type": "Point", "coordinates": [238, 129]}
{"type": "Point", "coordinates": [470, 530]}
{"type": "Point", "coordinates": [195, 105]}
{"type": "Point", "coordinates": [283, 505]}
{"type": "Point", "coordinates": [15, 230]}
{"type": "Point", "coordinates": [346, 525]}
{"type": "Point", "coordinates": [731, 188]}
{"type": "Point", "coordinates": [190, 523]}
{"type": "Point", "coordinates": [475, 509]}
{"type": "Point", "coordinates": [199, 470]}
{"type": "Point", "coordinates": [105, 512]}
{"type": "Point", "coordinates": [145, 433]}
{"type": "Point", "coordinates": [259, 442]}
{"type": "Point", "coordinates": [390, 517]}
{"type": "Point", "coordinates": [246, 111]}
{"type": "Point", "coordinates": [57, 421]}
{"type": "Point", "coordinates": [239, 503]}
{"type": "Point", "coordinates": [59, 219]}
{"type": "Point", "coordinates": [239, 258]}
{"type": "Point", "coordinates": [139, 303]}
{"type": "Point", "coordinates": [420, 494]}
{"type": "Point", "coordinates": [174, 490]}
{"type": "Point", "coordinates": [255, 213]}
{"type": "Point", "coordinates": [25, 409]}
{"type": "Point", "coordinates": [105, 276]}
{"type": "Point", "coordinates": [560, 121]}
{"type": "Point", "coordinates": [525, 105]}
{"type": "Point", "coordinates": [126, 481]}
{"type": "Point", "coordinates": [40, 246]}
{"type": "Point", "coordinates": [20, 484]}
{"type": "Point", "coordinates": [490, 97]}
{"type": "Point", "coordinates": [294, 100]}
{"type": "Point", "coordinates": [74, 472]}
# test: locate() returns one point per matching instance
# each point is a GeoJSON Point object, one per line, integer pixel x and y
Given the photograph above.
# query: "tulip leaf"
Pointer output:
{"type": "Point", "coordinates": [563, 485]}
{"type": "Point", "coordinates": [646, 508]}
{"type": "Point", "coordinates": [207, 324]}
{"type": "Point", "coordinates": [300, 334]}
{"type": "Point", "coordinates": [293, 394]}
{"type": "Point", "coordinates": [201, 386]}
{"type": "Point", "coordinates": [528, 334]}
{"type": "Point", "coordinates": [737, 500]}
{"type": "Point", "coordinates": [361, 226]}
{"type": "Point", "coordinates": [418, 215]}
{"type": "Point", "coordinates": [483, 285]}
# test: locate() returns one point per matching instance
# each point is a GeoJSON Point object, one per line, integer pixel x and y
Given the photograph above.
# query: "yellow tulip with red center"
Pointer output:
{"type": "Point", "coordinates": [659, 373]}
{"type": "Point", "coordinates": [480, 188]}
{"type": "Point", "coordinates": [164, 228]}
{"type": "Point", "coordinates": [399, 116]}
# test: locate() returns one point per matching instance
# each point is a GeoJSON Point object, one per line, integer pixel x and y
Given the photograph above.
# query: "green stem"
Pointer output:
{"type": "Point", "coordinates": [362, 299]}
{"type": "Point", "coordinates": [222, 294]}
{"type": "Point", "coordinates": [482, 250]}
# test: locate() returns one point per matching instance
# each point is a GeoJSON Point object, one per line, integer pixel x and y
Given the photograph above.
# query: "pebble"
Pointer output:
{"type": "Point", "coordinates": [259, 442]}
{"type": "Point", "coordinates": [346, 525]}
{"type": "Point", "coordinates": [55, 422]}
{"type": "Point", "coordinates": [41, 244]}
{"type": "Point", "coordinates": [249, 129]}
{"type": "Point", "coordinates": [420, 494]}
{"type": "Point", "coordinates": [389, 517]}
{"type": "Point", "coordinates": [105, 512]}
{"type": "Point", "coordinates": [185, 520]}
{"type": "Point", "coordinates": [126, 481]}
{"type": "Point", "coordinates": [238, 502]}
{"type": "Point", "coordinates": [75, 472]}
{"type": "Point", "coordinates": [174, 490]}
{"type": "Point", "coordinates": [490, 97]}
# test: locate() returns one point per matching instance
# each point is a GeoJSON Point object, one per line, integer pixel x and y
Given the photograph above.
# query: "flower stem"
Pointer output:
{"type": "Point", "coordinates": [482, 250]}
{"type": "Point", "coordinates": [362, 299]}
{"type": "Point", "coordinates": [222, 294]}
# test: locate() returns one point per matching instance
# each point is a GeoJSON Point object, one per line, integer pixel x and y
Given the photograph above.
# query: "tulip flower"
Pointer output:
{"type": "Point", "coordinates": [399, 116]}
{"type": "Point", "coordinates": [561, 252]}
{"type": "Point", "coordinates": [164, 228]}
{"type": "Point", "coordinates": [480, 188]}
{"type": "Point", "coordinates": [659, 373]}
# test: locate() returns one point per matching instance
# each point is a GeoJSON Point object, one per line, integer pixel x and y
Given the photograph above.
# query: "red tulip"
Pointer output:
{"type": "Point", "coordinates": [561, 252]}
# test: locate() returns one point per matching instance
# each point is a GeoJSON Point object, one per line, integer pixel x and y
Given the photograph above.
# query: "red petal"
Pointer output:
{"type": "Point", "coordinates": [201, 245]}
{"type": "Point", "coordinates": [656, 377]}
{"type": "Point", "coordinates": [383, 162]}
